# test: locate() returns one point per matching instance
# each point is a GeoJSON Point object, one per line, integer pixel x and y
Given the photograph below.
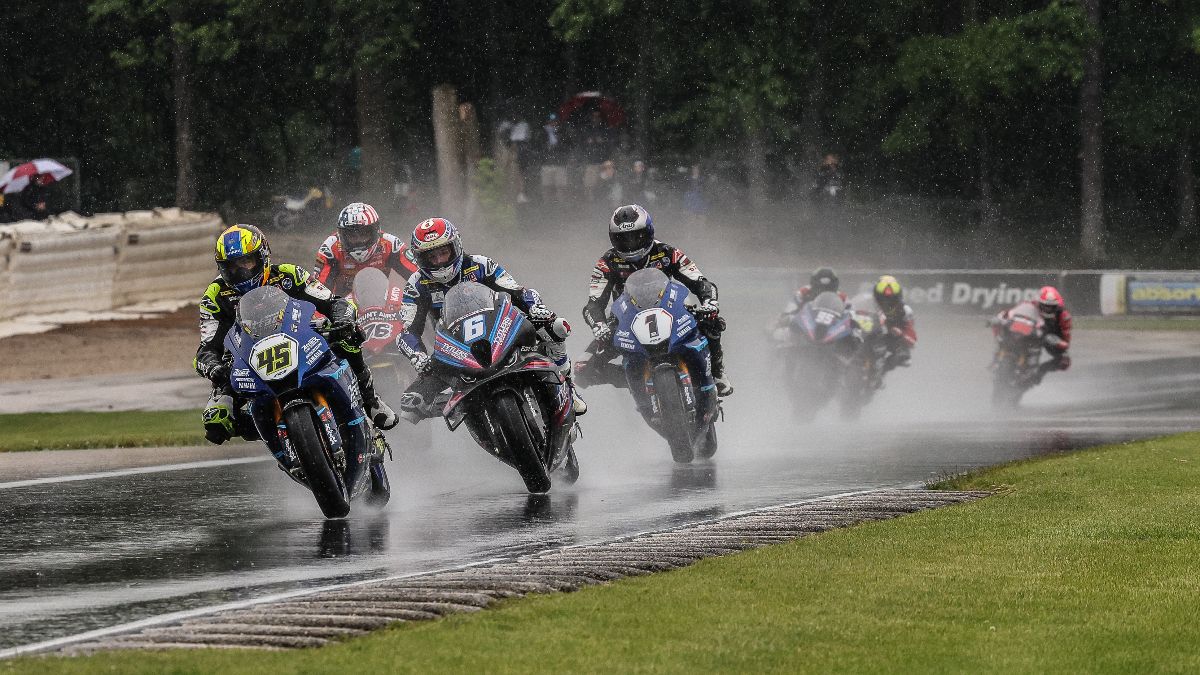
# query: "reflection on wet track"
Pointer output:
{"type": "Point", "coordinates": [92, 553]}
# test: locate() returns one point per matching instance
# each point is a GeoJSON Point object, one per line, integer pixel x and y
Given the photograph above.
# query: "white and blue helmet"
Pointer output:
{"type": "Point", "coordinates": [631, 232]}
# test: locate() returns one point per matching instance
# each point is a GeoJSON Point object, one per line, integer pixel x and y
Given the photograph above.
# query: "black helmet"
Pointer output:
{"type": "Point", "coordinates": [823, 279]}
{"type": "Point", "coordinates": [631, 232]}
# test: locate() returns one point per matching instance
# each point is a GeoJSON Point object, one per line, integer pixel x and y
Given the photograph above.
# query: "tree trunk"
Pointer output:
{"type": "Point", "coordinates": [449, 153]}
{"type": "Point", "coordinates": [987, 208]}
{"type": "Point", "coordinates": [1185, 192]}
{"type": "Point", "coordinates": [756, 167]}
{"type": "Point", "coordinates": [374, 136]}
{"type": "Point", "coordinates": [641, 100]}
{"type": "Point", "coordinates": [181, 83]}
{"type": "Point", "coordinates": [1091, 152]}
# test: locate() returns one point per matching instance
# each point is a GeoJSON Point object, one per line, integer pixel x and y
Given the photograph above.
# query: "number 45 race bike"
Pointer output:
{"type": "Point", "coordinates": [305, 402]}
{"type": "Point", "coordinates": [514, 401]}
{"type": "Point", "coordinates": [667, 363]}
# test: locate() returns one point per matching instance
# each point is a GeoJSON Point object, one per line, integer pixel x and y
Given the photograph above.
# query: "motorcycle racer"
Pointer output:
{"type": "Point", "coordinates": [441, 264]}
{"type": "Point", "coordinates": [631, 232]}
{"type": "Point", "coordinates": [359, 242]}
{"type": "Point", "coordinates": [1057, 335]}
{"type": "Point", "coordinates": [821, 280]}
{"type": "Point", "coordinates": [901, 335]}
{"type": "Point", "coordinates": [244, 262]}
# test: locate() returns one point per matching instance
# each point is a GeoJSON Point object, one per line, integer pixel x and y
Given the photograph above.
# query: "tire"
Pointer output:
{"type": "Point", "coordinates": [570, 468]}
{"type": "Point", "coordinates": [709, 447]}
{"type": "Point", "coordinates": [519, 443]}
{"type": "Point", "coordinates": [1006, 395]}
{"type": "Point", "coordinates": [673, 416]}
{"type": "Point", "coordinates": [323, 479]}
{"type": "Point", "coordinates": [381, 487]}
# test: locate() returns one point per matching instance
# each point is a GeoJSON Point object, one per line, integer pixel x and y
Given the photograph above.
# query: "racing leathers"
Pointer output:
{"type": "Point", "coordinates": [900, 335]}
{"type": "Point", "coordinates": [608, 283]}
{"type": "Point", "coordinates": [336, 269]}
{"type": "Point", "coordinates": [424, 297]}
{"type": "Point", "coordinates": [218, 312]}
{"type": "Point", "coordinates": [1056, 337]}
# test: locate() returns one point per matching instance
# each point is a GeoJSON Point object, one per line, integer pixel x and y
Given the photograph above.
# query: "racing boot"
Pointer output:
{"type": "Point", "coordinates": [382, 416]}
{"type": "Point", "coordinates": [218, 418]}
{"type": "Point", "coordinates": [556, 351]}
{"type": "Point", "coordinates": [724, 388]}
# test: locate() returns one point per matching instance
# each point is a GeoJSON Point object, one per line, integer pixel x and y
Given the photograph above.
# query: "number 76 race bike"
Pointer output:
{"type": "Point", "coordinates": [305, 402]}
{"type": "Point", "coordinates": [667, 363]}
{"type": "Point", "coordinates": [514, 401]}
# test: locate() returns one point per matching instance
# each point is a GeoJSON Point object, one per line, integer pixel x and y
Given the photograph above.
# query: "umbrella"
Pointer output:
{"type": "Point", "coordinates": [18, 177]}
{"type": "Point", "coordinates": [611, 112]}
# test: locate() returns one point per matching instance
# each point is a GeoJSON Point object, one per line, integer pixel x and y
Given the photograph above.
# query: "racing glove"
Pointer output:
{"type": "Point", "coordinates": [708, 310]}
{"type": "Point", "coordinates": [602, 332]}
{"type": "Point", "coordinates": [541, 315]}
{"type": "Point", "coordinates": [421, 362]}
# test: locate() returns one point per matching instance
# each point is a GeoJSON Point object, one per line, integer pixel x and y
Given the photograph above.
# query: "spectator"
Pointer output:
{"type": "Point", "coordinates": [829, 183]}
{"type": "Point", "coordinates": [596, 146]}
{"type": "Point", "coordinates": [695, 199]}
{"type": "Point", "coordinates": [639, 185]}
{"type": "Point", "coordinates": [554, 170]}
{"type": "Point", "coordinates": [32, 202]}
{"type": "Point", "coordinates": [609, 183]}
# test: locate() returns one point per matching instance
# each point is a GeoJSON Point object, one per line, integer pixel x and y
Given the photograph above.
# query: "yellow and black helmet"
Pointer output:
{"type": "Point", "coordinates": [888, 293]}
{"type": "Point", "coordinates": [243, 257]}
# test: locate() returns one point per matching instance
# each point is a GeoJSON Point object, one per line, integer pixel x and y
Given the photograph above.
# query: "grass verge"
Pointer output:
{"type": "Point", "coordinates": [60, 431]}
{"type": "Point", "coordinates": [1083, 563]}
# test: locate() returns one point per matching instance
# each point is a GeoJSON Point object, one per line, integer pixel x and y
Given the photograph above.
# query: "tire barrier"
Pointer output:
{"type": "Point", "coordinates": [315, 618]}
{"type": "Point", "coordinates": [104, 262]}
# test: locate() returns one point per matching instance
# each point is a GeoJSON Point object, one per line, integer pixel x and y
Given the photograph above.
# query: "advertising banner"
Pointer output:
{"type": "Point", "coordinates": [982, 292]}
{"type": "Point", "coordinates": [1162, 293]}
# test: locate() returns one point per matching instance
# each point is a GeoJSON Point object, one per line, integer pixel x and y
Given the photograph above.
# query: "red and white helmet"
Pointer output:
{"type": "Point", "coordinates": [358, 230]}
{"type": "Point", "coordinates": [437, 250]}
{"type": "Point", "coordinates": [1049, 302]}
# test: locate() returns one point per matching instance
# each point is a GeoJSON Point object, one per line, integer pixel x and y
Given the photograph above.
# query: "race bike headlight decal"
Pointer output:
{"type": "Point", "coordinates": [275, 357]}
{"type": "Point", "coordinates": [652, 326]}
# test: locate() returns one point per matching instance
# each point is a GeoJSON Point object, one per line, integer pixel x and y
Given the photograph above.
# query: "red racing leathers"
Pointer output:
{"type": "Point", "coordinates": [336, 269]}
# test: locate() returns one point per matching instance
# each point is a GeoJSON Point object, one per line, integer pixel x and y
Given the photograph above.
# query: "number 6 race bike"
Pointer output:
{"type": "Point", "coordinates": [379, 301]}
{"type": "Point", "coordinates": [667, 363]}
{"type": "Point", "coordinates": [513, 399]}
{"type": "Point", "coordinates": [305, 402]}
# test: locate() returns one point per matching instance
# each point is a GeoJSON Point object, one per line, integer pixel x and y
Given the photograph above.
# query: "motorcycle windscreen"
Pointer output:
{"type": "Point", "coordinates": [465, 299]}
{"type": "Point", "coordinates": [646, 287]}
{"type": "Point", "coordinates": [865, 304]}
{"type": "Point", "coordinates": [371, 288]}
{"type": "Point", "coordinates": [260, 312]}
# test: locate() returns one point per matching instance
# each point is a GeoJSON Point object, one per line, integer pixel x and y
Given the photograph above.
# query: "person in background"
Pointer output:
{"type": "Point", "coordinates": [553, 172]}
{"type": "Point", "coordinates": [1057, 335]}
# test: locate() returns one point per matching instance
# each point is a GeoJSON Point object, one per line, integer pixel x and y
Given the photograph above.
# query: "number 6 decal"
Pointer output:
{"type": "Point", "coordinates": [473, 328]}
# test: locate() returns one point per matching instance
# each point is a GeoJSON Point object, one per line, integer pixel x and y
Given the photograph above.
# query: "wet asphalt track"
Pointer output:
{"type": "Point", "coordinates": [83, 554]}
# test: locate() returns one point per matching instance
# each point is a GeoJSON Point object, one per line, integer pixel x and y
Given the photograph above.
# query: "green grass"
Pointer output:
{"type": "Point", "coordinates": [58, 431]}
{"type": "Point", "coordinates": [1082, 563]}
{"type": "Point", "coordinates": [1137, 323]}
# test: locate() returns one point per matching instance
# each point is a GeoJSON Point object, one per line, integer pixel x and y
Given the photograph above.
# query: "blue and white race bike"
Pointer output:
{"type": "Point", "coordinates": [667, 363]}
{"type": "Point", "coordinates": [305, 402]}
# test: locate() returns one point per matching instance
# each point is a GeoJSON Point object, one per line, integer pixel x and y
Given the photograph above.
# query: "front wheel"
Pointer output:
{"type": "Point", "coordinates": [673, 421]}
{"type": "Point", "coordinates": [709, 447]}
{"type": "Point", "coordinates": [519, 443]}
{"type": "Point", "coordinates": [312, 450]}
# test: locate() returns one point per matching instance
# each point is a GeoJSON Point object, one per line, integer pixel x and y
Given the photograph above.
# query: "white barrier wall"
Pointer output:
{"type": "Point", "coordinates": [104, 261]}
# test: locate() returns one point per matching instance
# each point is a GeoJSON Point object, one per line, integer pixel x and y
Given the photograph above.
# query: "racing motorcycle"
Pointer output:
{"type": "Point", "coordinates": [818, 342]}
{"type": "Point", "coordinates": [667, 363]}
{"type": "Point", "coordinates": [379, 301]}
{"type": "Point", "coordinates": [865, 369]}
{"type": "Point", "coordinates": [515, 403]}
{"type": "Point", "coordinates": [305, 402]}
{"type": "Point", "coordinates": [1018, 353]}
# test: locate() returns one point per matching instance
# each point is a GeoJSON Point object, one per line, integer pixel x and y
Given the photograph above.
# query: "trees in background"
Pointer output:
{"type": "Point", "coordinates": [1071, 105]}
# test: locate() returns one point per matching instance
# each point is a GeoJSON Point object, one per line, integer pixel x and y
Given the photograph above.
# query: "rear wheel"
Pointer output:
{"type": "Point", "coordinates": [673, 418]}
{"type": "Point", "coordinates": [520, 444]}
{"type": "Point", "coordinates": [311, 449]}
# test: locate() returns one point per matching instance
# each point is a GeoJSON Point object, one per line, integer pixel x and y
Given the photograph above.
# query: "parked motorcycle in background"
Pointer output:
{"type": "Point", "coordinates": [315, 207]}
{"type": "Point", "coordinates": [378, 300]}
{"type": "Point", "coordinates": [1019, 341]}
{"type": "Point", "coordinates": [515, 403]}
{"type": "Point", "coordinates": [305, 402]}
{"type": "Point", "coordinates": [667, 363]}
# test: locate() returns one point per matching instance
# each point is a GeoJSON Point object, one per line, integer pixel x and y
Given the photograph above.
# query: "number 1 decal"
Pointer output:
{"type": "Point", "coordinates": [652, 324]}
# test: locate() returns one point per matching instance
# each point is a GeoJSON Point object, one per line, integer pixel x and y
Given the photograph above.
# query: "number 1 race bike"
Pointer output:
{"type": "Point", "coordinates": [378, 301]}
{"type": "Point", "coordinates": [514, 401]}
{"type": "Point", "coordinates": [667, 363]}
{"type": "Point", "coordinates": [305, 402]}
{"type": "Point", "coordinates": [1018, 352]}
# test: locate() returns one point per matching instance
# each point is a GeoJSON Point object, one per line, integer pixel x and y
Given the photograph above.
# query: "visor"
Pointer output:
{"type": "Point", "coordinates": [436, 258]}
{"type": "Point", "coordinates": [242, 268]}
{"type": "Point", "coordinates": [358, 238]}
{"type": "Point", "coordinates": [630, 242]}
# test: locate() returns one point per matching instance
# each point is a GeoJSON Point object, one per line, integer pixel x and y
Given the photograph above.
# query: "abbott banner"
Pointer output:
{"type": "Point", "coordinates": [1162, 293]}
